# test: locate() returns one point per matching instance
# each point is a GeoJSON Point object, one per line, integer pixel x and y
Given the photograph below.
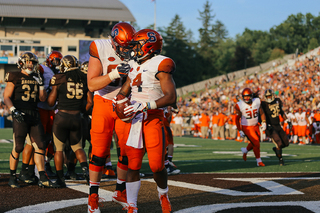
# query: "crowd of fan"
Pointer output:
{"type": "Point", "coordinates": [298, 86]}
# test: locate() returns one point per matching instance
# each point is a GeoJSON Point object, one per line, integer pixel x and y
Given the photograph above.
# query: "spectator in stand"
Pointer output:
{"type": "Point", "coordinates": [177, 125]}
{"type": "Point", "coordinates": [233, 126]}
{"type": "Point", "coordinates": [196, 126]}
{"type": "Point", "coordinates": [302, 126]}
{"type": "Point", "coordinates": [214, 124]}
{"type": "Point", "coordinates": [204, 124]}
{"type": "Point", "coordinates": [221, 125]}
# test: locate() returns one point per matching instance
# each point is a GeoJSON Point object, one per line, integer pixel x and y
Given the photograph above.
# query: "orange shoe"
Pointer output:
{"type": "Point", "coordinates": [165, 203]}
{"type": "Point", "coordinates": [131, 208]}
{"type": "Point", "coordinates": [93, 203]}
{"type": "Point", "coordinates": [244, 153]}
{"type": "Point", "coordinates": [108, 172]}
{"type": "Point", "coordinates": [260, 164]}
{"type": "Point", "coordinates": [120, 198]}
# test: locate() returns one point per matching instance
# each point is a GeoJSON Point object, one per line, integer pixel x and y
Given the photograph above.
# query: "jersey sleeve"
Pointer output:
{"type": "Point", "coordinates": [93, 50]}
{"type": "Point", "coordinates": [57, 79]}
{"type": "Point", "coordinates": [11, 77]}
{"type": "Point", "coordinates": [167, 65]}
{"type": "Point", "coordinates": [41, 70]}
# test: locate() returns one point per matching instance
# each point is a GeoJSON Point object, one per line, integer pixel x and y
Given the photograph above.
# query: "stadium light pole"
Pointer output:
{"type": "Point", "coordinates": [155, 14]}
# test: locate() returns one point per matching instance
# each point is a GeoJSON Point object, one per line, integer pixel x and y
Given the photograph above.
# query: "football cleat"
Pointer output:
{"type": "Point", "coordinates": [120, 198]}
{"type": "Point", "coordinates": [244, 153]}
{"type": "Point", "coordinates": [72, 175]}
{"type": "Point", "coordinates": [131, 208]}
{"type": "Point", "coordinates": [26, 178]}
{"type": "Point", "coordinates": [171, 170]}
{"type": "Point", "coordinates": [13, 183]}
{"type": "Point", "coordinates": [61, 182]}
{"type": "Point", "coordinates": [47, 183]}
{"type": "Point", "coordinates": [260, 164]}
{"type": "Point", "coordinates": [281, 163]}
{"type": "Point", "coordinates": [108, 172]}
{"type": "Point", "coordinates": [165, 203]}
{"type": "Point", "coordinates": [93, 203]}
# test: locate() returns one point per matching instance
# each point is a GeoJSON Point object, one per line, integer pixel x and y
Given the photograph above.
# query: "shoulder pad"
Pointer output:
{"type": "Point", "coordinates": [167, 65]}
{"type": "Point", "coordinates": [93, 50]}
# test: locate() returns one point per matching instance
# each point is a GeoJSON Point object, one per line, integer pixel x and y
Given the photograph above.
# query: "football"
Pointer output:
{"type": "Point", "coordinates": [121, 104]}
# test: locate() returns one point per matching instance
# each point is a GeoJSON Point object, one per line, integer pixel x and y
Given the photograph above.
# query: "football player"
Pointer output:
{"type": "Point", "coordinates": [272, 108]}
{"type": "Point", "coordinates": [171, 168]}
{"type": "Point", "coordinates": [152, 87]}
{"type": "Point", "coordinates": [23, 91]}
{"type": "Point", "coordinates": [248, 112]}
{"type": "Point", "coordinates": [46, 116]}
{"type": "Point", "coordinates": [105, 80]}
{"type": "Point", "coordinates": [70, 88]}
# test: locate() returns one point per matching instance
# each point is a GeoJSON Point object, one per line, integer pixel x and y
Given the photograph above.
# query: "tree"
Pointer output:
{"type": "Point", "coordinates": [178, 46]}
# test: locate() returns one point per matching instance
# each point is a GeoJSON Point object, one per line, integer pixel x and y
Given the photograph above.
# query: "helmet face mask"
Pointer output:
{"type": "Point", "coordinates": [68, 63]}
{"type": "Point", "coordinates": [146, 43]}
{"type": "Point", "coordinates": [84, 67]}
{"type": "Point", "coordinates": [269, 95]}
{"type": "Point", "coordinates": [28, 62]}
{"type": "Point", "coordinates": [121, 35]}
{"type": "Point", "coordinates": [247, 95]}
{"type": "Point", "coordinates": [53, 60]}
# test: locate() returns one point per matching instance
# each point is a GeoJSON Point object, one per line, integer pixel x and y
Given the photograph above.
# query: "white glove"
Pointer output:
{"type": "Point", "coordinates": [263, 126]}
{"type": "Point", "coordinates": [242, 135]}
{"type": "Point", "coordinates": [135, 109]}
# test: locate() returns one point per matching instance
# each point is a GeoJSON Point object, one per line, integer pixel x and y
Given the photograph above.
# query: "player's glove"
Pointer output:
{"type": "Point", "coordinates": [39, 79]}
{"type": "Point", "coordinates": [263, 126]}
{"type": "Point", "coordinates": [17, 114]}
{"type": "Point", "coordinates": [289, 123]}
{"type": "Point", "coordinates": [122, 70]}
{"type": "Point", "coordinates": [175, 109]}
{"type": "Point", "coordinates": [242, 135]}
{"type": "Point", "coordinates": [137, 108]}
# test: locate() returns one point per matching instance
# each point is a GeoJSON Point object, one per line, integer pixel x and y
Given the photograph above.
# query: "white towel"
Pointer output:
{"type": "Point", "coordinates": [135, 135]}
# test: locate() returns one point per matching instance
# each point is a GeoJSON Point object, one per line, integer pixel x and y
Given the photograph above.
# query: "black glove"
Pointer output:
{"type": "Point", "coordinates": [270, 128]}
{"type": "Point", "coordinates": [290, 124]}
{"type": "Point", "coordinates": [39, 78]}
{"type": "Point", "coordinates": [123, 69]}
{"type": "Point", "coordinates": [18, 115]}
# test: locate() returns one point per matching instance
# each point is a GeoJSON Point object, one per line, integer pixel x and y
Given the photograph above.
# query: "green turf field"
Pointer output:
{"type": "Point", "coordinates": [206, 155]}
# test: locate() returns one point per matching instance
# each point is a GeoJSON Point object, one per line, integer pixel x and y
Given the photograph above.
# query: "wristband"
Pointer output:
{"type": "Point", "coordinates": [41, 87]}
{"type": "Point", "coordinates": [114, 75]}
{"type": "Point", "coordinates": [152, 105]}
{"type": "Point", "coordinates": [12, 109]}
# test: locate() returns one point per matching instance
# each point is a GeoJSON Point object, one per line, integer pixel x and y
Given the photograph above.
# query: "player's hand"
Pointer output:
{"type": "Point", "coordinates": [290, 124]}
{"type": "Point", "coordinates": [242, 135]}
{"type": "Point", "coordinates": [123, 69]}
{"type": "Point", "coordinates": [263, 126]}
{"type": "Point", "coordinates": [18, 115]}
{"type": "Point", "coordinates": [175, 109]}
{"type": "Point", "coordinates": [39, 78]}
{"type": "Point", "coordinates": [135, 109]}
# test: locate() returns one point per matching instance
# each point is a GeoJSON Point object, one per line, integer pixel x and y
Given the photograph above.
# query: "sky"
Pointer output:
{"type": "Point", "coordinates": [236, 15]}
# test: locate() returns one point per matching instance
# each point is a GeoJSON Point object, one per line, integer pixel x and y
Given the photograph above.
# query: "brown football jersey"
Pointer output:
{"type": "Point", "coordinates": [71, 95]}
{"type": "Point", "coordinates": [26, 90]}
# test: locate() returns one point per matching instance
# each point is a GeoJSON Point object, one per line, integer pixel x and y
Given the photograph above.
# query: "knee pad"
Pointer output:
{"type": "Point", "coordinates": [97, 161]}
{"type": "Point", "coordinates": [123, 163]}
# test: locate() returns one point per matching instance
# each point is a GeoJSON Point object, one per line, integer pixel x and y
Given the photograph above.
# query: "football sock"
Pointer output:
{"type": "Point", "coordinates": [121, 185]}
{"type": "Point", "coordinates": [31, 170]}
{"type": "Point", "coordinates": [94, 187]}
{"type": "Point", "coordinates": [132, 192]}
